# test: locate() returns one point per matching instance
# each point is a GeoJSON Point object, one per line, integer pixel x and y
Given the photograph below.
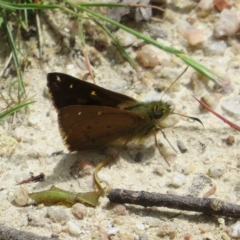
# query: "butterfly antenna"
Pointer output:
{"type": "Point", "coordinates": [193, 118]}
{"type": "Point", "coordinates": [175, 81]}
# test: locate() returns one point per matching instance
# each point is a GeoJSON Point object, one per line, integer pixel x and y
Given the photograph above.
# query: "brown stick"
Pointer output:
{"type": "Point", "coordinates": [205, 205]}
{"type": "Point", "coordinates": [37, 178]}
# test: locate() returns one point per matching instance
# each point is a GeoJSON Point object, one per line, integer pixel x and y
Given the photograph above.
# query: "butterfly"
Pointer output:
{"type": "Point", "coordinates": [91, 117]}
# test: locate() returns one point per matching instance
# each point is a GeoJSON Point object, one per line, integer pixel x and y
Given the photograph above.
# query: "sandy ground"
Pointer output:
{"type": "Point", "coordinates": [208, 160]}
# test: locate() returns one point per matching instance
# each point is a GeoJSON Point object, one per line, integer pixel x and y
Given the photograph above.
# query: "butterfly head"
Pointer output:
{"type": "Point", "coordinates": [162, 114]}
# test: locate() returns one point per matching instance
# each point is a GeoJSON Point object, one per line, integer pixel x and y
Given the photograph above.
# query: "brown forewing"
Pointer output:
{"type": "Point", "coordinates": [67, 90]}
{"type": "Point", "coordinates": [92, 127]}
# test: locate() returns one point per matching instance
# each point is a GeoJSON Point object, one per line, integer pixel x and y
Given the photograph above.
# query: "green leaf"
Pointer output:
{"type": "Point", "coordinates": [56, 196]}
{"type": "Point", "coordinates": [53, 196]}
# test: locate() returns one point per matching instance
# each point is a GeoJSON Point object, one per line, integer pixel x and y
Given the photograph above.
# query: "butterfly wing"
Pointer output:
{"type": "Point", "coordinates": [92, 127]}
{"type": "Point", "coordinates": [67, 90]}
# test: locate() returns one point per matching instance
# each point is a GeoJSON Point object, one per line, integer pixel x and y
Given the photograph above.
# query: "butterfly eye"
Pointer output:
{"type": "Point", "coordinates": [158, 114]}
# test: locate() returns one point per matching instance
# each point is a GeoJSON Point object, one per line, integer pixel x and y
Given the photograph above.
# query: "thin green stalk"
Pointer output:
{"type": "Point", "coordinates": [13, 109]}
{"type": "Point", "coordinates": [21, 87]}
{"type": "Point", "coordinates": [25, 12]}
{"type": "Point", "coordinates": [81, 35]}
{"type": "Point", "coordinates": [199, 67]}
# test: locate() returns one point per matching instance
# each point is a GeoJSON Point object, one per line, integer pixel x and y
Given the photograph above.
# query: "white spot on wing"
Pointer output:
{"type": "Point", "coordinates": [58, 78]}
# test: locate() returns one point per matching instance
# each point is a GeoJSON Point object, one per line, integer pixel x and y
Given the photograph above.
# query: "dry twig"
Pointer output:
{"type": "Point", "coordinates": [205, 205]}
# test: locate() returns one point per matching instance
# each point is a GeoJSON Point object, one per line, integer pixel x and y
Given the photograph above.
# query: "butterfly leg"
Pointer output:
{"type": "Point", "coordinates": [157, 145]}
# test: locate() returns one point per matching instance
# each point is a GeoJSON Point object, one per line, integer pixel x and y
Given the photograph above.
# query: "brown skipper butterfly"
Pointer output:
{"type": "Point", "coordinates": [91, 117]}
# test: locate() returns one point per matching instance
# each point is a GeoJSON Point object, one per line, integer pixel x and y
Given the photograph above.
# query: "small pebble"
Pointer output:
{"type": "Point", "coordinates": [221, 222]}
{"type": "Point", "coordinates": [143, 236]}
{"type": "Point", "coordinates": [160, 170]}
{"type": "Point", "coordinates": [140, 226]}
{"type": "Point", "coordinates": [168, 230]}
{"type": "Point", "coordinates": [112, 231]}
{"type": "Point", "coordinates": [157, 32]}
{"type": "Point", "coordinates": [205, 228]}
{"type": "Point", "coordinates": [232, 105]}
{"type": "Point", "coordinates": [216, 170]}
{"type": "Point", "coordinates": [181, 146]}
{"type": "Point", "coordinates": [152, 221]}
{"type": "Point", "coordinates": [19, 177]}
{"type": "Point", "coordinates": [205, 5]}
{"type": "Point", "coordinates": [126, 236]}
{"type": "Point", "coordinates": [147, 57]}
{"type": "Point", "coordinates": [215, 48]}
{"type": "Point", "coordinates": [222, 4]}
{"type": "Point", "coordinates": [57, 214]}
{"type": "Point", "coordinates": [194, 36]}
{"type": "Point", "coordinates": [187, 236]}
{"type": "Point", "coordinates": [120, 209]}
{"type": "Point", "coordinates": [230, 140]}
{"type": "Point", "coordinates": [227, 25]}
{"type": "Point", "coordinates": [118, 221]}
{"type": "Point", "coordinates": [17, 133]}
{"type": "Point", "coordinates": [178, 180]}
{"type": "Point", "coordinates": [33, 120]}
{"type": "Point", "coordinates": [79, 210]}
{"type": "Point", "coordinates": [73, 228]}
{"type": "Point", "coordinates": [234, 230]}
{"type": "Point", "coordinates": [21, 196]}
{"type": "Point", "coordinates": [56, 227]}
{"type": "Point", "coordinates": [125, 39]}
{"type": "Point", "coordinates": [188, 168]}
{"type": "Point", "coordinates": [36, 221]}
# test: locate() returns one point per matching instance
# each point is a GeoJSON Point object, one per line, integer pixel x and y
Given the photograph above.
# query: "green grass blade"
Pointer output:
{"type": "Point", "coordinates": [16, 6]}
{"type": "Point", "coordinates": [21, 87]}
{"type": "Point", "coordinates": [199, 68]}
{"type": "Point", "coordinates": [13, 109]}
